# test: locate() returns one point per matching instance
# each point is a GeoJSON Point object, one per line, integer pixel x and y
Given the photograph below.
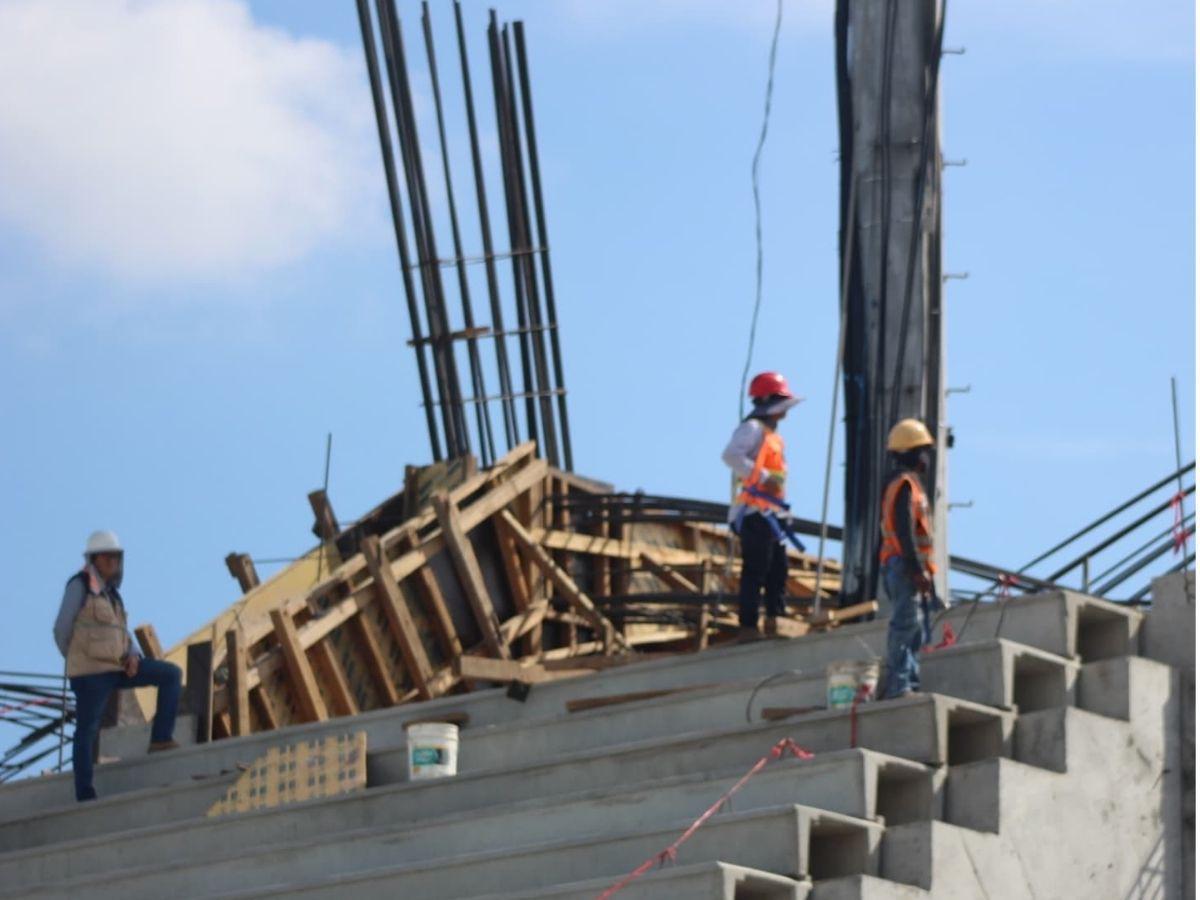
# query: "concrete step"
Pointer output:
{"type": "Point", "coordinates": [703, 881]}
{"type": "Point", "coordinates": [792, 841]}
{"type": "Point", "coordinates": [1060, 622]}
{"type": "Point", "coordinates": [949, 861]}
{"type": "Point", "coordinates": [904, 791]}
{"type": "Point", "coordinates": [928, 728]}
{"type": "Point", "coordinates": [859, 783]}
{"type": "Point", "coordinates": [1001, 673]}
{"type": "Point", "coordinates": [925, 728]}
{"type": "Point", "coordinates": [865, 887]}
{"type": "Point", "coordinates": [133, 741]}
{"type": "Point", "coordinates": [149, 806]}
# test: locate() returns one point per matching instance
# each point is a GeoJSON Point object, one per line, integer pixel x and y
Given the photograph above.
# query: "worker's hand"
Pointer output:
{"type": "Point", "coordinates": [924, 585]}
{"type": "Point", "coordinates": [773, 484]}
{"type": "Point", "coordinates": [131, 664]}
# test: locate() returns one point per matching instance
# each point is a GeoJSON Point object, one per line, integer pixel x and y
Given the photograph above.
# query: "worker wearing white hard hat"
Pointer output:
{"type": "Point", "coordinates": [92, 632]}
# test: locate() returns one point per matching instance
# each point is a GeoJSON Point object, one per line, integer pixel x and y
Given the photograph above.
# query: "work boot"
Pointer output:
{"type": "Point", "coordinates": [748, 634]}
{"type": "Point", "coordinates": [771, 628]}
{"type": "Point", "coordinates": [159, 746]}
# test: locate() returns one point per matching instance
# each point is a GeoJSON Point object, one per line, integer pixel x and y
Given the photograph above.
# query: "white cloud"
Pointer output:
{"type": "Point", "coordinates": [161, 140]}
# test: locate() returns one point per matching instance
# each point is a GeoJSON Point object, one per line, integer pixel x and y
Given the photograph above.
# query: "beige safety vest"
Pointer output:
{"type": "Point", "coordinates": [99, 641]}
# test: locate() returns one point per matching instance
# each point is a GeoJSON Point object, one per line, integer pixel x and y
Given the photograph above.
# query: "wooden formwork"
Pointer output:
{"type": "Point", "coordinates": [465, 578]}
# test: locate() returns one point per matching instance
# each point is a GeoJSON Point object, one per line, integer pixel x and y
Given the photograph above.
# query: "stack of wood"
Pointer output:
{"type": "Point", "coordinates": [464, 579]}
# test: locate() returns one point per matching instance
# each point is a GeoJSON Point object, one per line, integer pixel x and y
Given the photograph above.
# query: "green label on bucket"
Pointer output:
{"type": "Point", "coordinates": [427, 756]}
{"type": "Point", "coordinates": [841, 695]}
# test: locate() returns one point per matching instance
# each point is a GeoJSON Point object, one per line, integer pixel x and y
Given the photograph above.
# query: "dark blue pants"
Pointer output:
{"type": "Point", "coordinates": [91, 696]}
{"type": "Point", "coordinates": [908, 630]}
{"type": "Point", "coordinates": [764, 570]}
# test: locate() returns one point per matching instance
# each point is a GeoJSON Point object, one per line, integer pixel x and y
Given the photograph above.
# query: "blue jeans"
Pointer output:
{"type": "Point", "coordinates": [91, 696]}
{"type": "Point", "coordinates": [908, 630]}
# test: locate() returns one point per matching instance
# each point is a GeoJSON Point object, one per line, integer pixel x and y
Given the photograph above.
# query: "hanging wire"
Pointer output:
{"type": "Point", "coordinates": [758, 270]}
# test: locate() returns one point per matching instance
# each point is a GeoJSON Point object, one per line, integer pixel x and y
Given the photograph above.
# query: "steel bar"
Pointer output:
{"type": "Point", "coordinates": [499, 91]}
{"type": "Point", "coordinates": [389, 168]}
{"type": "Point", "coordinates": [494, 397]}
{"type": "Point", "coordinates": [1112, 539]}
{"type": "Point", "coordinates": [525, 239]}
{"type": "Point", "coordinates": [435, 309]}
{"type": "Point", "coordinates": [507, 406]}
{"type": "Point", "coordinates": [1178, 453]}
{"type": "Point", "coordinates": [1139, 564]}
{"type": "Point", "coordinates": [1180, 566]}
{"type": "Point", "coordinates": [483, 419]}
{"type": "Point", "coordinates": [1158, 536]}
{"type": "Point", "coordinates": [535, 179]}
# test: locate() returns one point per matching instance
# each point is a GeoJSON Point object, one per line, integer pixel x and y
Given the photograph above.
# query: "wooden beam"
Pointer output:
{"type": "Point", "coordinates": [241, 567]}
{"type": "Point", "coordinates": [469, 573]}
{"type": "Point", "coordinates": [520, 625]}
{"type": "Point", "coordinates": [236, 688]}
{"type": "Point", "coordinates": [329, 670]}
{"type": "Point", "coordinates": [430, 594]}
{"type": "Point", "coordinates": [667, 575]}
{"type": "Point", "coordinates": [262, 705]}
{"type": "Point", "coordinates": [301, 678]}
{"type": "Point", "coordinates": [326, 526]}
{"type": "Point", "coordinates": [395, 608]}
{"type": "Point", "coordinates": [562, 581]}
{"type": "Point", "coordinates": [147, 639]}
{"type": "Point", "coordinates": [505, 670]}
{"type": "Point", "coordinates": [377, 663]}
{"type": "Point", "coordinates": [198, 689]}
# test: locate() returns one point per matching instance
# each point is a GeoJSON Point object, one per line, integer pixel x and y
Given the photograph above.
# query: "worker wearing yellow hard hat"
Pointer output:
{"type": "Point", "coordinates": [906, 555]}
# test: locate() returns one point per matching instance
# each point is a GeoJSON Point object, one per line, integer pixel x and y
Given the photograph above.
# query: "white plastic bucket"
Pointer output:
{"type": "Point", "coordinates": [849, 679]}
{"type": "Point", "coordinates": [432, 750]}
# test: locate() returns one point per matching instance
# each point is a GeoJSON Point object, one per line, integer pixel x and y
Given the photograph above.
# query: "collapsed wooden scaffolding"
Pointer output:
{"type": "Point", "coordinates": [465, 579]}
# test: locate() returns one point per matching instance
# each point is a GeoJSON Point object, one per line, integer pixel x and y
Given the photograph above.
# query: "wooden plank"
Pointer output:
{"type": "Point", "coordinates": [147, 639]}
{"type": "Point", "coordinates": [301, 678]}
{"type": "Point", "coordinates": [326, 527]}
{"type": "Point", "coordinates": [377, 664]}
{"type": "Point", "coordinates": [667, 575]}
{"type": "Point", "coordinates": [241, 567]}
{"type": "Point", "coordinates": [585, 703]}
{"type": "Point", "coordinates": [562, 581]}
{"type": "Point", "coordinates": [469, 573]}
{"type": "Point", "coordinates": [399, 618]}
{"type": "Point", "coordinates": [333, 678]}
{"type": "Point", "coordinates": [833, 616]}
{"type": "Point", "coordinates": [262, 706]}
{"type": "Point", "coordinates": [198, 689]}
{"type": "Point", "coordinates": [237, 689]}
{"type": "Point", "coordinates": [507, 670]}
{"type": "Point", "coordinates": [430, 594]}
{"type": "Point", "coordinates": [520, 625]}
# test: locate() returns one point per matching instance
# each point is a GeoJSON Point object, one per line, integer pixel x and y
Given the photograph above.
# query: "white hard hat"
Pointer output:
{"type": "Point", "coordinates": [103, 542]}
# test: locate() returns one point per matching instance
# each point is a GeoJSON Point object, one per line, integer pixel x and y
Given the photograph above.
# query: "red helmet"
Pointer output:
{"type": "Point", "coordinates": [769, 384]}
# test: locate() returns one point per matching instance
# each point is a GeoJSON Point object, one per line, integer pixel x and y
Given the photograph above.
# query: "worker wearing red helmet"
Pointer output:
{"type": "Point", "coordinates": [755, 454]}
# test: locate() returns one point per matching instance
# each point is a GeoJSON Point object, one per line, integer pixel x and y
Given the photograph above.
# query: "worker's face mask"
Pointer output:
{"type": "Point", "coordinates": [109, 566]}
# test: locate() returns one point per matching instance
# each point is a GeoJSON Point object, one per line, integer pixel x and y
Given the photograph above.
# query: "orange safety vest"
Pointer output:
{"type": "Point", "coordinates": [769, 462]}
{"type": "Point", "coordinates": [890, 545]}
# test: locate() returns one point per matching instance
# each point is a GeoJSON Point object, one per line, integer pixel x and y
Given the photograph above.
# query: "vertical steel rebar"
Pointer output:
{"type": "Point", "coordinates": [389, 27]}
{"type": "Point", "coordinates": [525, 242]}
{"type": "Point", "coordinates": [499, 90]}
{"type": "Point", "coordinates": [389, 168]}
{"type": "Point", "coordinates": [544, 242]}
{"type": "Point", "coordinates": [483, 419]}
{"type": "Point", "coordinates": [508, 407]}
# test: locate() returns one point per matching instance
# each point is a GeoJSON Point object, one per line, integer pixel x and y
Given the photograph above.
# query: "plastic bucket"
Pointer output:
{"type": "Point", "coordinates": [432, 750]}
{"type": "Point", "coordinates": [849, 679]}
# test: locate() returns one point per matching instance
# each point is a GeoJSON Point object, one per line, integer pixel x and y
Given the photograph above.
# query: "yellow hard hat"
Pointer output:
{"type": "Point", "coordinates": [908, 434]}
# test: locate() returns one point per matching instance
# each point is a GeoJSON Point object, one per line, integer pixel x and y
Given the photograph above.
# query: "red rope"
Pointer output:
{"type": "Point", "coordinates": [669, 853]}
{"type": "Point", "coordinates": [1178, 532]}
{"type": "Point", "coordinates": [1007, 581]}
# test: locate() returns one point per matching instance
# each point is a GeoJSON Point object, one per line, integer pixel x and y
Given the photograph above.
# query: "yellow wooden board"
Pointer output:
{"type": "Point", "coordinates": [306, 770]}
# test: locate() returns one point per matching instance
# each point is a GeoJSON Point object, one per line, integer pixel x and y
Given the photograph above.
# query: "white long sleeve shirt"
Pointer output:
{"type": "Point", "coordinates": [741, 452]}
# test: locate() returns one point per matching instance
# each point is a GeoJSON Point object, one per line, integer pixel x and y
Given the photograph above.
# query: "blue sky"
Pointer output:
{"type": "Point", "coordinates": [198, 279]}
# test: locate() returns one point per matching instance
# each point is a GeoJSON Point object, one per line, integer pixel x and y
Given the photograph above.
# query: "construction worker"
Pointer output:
{"type": "Point", "coordinates": [759, 513]}
{"type": "Point", "coordinates": [92, 633]}
{"type": "Point", "coordinates": [906, 556]}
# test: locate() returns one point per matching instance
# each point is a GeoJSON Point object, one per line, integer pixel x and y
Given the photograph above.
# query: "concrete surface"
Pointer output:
{"type": "Point", "coordinates": [703, 881]}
